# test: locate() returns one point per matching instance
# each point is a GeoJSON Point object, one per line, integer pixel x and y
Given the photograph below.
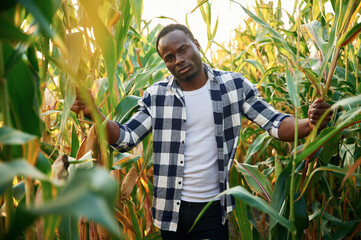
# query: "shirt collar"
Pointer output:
{"type": "Point", "coordinates": [173, 85]}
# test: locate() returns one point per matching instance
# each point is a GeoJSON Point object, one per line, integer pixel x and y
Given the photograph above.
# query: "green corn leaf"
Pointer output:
{"type": "Point", "coordinates": [10, 32]}
{"type": "Point", "coordinates": [276, 36]}
{"type": "Point", "coordinates": [240, 210]}
{"type": "Point", "coordinates": [349, 36]}
{"type": "Point", "coordinates": [68, 228]}
{"type": "Point", "coordinates": [346, 229]}
{"type": "Point", "coordinates": [200, 3]}
{"type": "Point", "coordinates": [256, 64]}
{"type": "Point", "coordinates": [243, 222]}
{"type": "Point", "coordinates": [18, 53]}
{"type": "Point", "coordinates": [142, 79]}
{"type": "Point", "coordinates": [134, 219]}
{"type": "Point", "coordinates": [123, 160]}
{"type": "Point", "coordinates": [215, 29]}
{"type": "Point", "coordinates": [280, 189]}
{"type": "Point", "coordinates": [301, 217]}
{"type": "Point", "coordinates": [329, 168]}
{"type": "Point", "coordinates": [325, 62]}
{"type": "Point", "coordinates": [74, 44]}
{"type": "Point", "coordinates": [68, 103]}
{"type": "Point", "coordinates": [347, 12]}
{"type": "Point", "coordinates": [314, 80]}
{"type": "Point", "coordinates": [9, 135]}
{"type": "Point", "coordinates": [74, 142]}
{"type": "Point", "coordinates": [137, 8]}
{"type": "Point", "coordinates": [42, 16]}
{"type": "Point", "coordinates": [22, 96]}
{"type": "Point", "coordinates": [314, 29]}
{"type": "Point", "coordinates": [255, 146]}
{"type": "Point", "coordinates": [22, 220]}
{"type": "Point", "coordinates": [125, 107]}
{"type": "Point", "coordinates": [293, 88]}
{"type": "Point", "coordinates": [19, 191]}
{"type": "Point", "coordinates": [209, 20]}
{"type": "Point", "coordinates": [18, 167]}
{"type": "Point", "coordinates": [255, 179]}
{"type": "Point", "coordinates": [331, 148]}
{"type": "Point", "coordinates": [105, 41]}
{"type": "Point", "coordinates": [253, 201]}
{"type": "Point", "coordinates": [122, 27]}
{"type": "Point", "coordinates": [89, 193]}
{"type": "Point", "coordinates": [50, 150]}
{"type": "Point", "coordinates": [348, 120]}
{"type": "Point", "coordinates": [222, 47]}
{"type": "Point", "coordinates": [43, 164]}
{"type": "Point", "coordinates": [267, 73]}
{"type": "Point", "coordinates": [317, 8]}
{"type": "Point", "coordinates": [347, 101]}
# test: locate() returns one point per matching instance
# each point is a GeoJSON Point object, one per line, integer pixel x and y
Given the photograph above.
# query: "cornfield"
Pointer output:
{"type": "Point", "coordinates": [60, 180]}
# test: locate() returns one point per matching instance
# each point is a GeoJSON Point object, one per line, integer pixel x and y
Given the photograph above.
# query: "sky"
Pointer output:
{"type": "Point", "coordinates": [230, 15]}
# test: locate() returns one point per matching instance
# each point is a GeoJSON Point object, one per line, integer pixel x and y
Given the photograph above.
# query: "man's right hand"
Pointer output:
{"type": "Point", "coordinates": [112, 128]}
{"type": "Point", "coordinates": [80, 105]}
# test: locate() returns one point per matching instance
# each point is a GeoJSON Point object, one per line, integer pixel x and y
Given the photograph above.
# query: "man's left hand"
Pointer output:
{"type": "Point", "coordinates": [315, 112]}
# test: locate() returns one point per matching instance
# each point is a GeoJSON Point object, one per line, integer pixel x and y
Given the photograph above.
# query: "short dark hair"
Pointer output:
{"type": "Point", "coordinates": [172, 27]}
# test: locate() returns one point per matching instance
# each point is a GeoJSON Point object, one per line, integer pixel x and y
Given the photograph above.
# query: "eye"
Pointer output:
{"type": "Point", "coordinates": [183, 49]}
{"type": "Point", "coordinates": [169, 58]}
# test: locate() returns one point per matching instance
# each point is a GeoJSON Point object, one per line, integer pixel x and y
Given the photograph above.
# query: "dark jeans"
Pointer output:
{"type": "Point", "coordinates": [208, 227]}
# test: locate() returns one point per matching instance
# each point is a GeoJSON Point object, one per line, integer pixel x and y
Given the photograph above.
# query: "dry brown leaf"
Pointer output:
{"type": "Point", "coordinates": [148, 213]}
{"type": "Point", "coordinates": [128, 183]}
{"type": "Point", "coordinates": [103, 233]}
{"type": "Point", "coordinates": [123, 220]}
{"type": "Point", "coordinates": [93, 232]}
{"type": "Point", "coordinates": [82, 225]}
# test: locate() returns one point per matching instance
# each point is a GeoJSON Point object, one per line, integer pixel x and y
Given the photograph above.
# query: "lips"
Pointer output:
{"type": "Point", "coordinates": [183, 69]}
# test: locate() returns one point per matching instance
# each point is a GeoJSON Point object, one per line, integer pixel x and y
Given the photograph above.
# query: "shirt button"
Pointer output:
{"type": "Point", "coordinates": [182, 142]}
{"type": "Point", "coordinates": [179, 182]}
{"type": "Point", "coordinates": [181, 162]}
{"type": "Point", "coordinates": [178, 203]}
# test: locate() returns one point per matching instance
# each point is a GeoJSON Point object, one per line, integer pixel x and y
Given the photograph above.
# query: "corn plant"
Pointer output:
{"type": "Point", "coordinates": [60, 180]}
{"type": "Point", "coordinates": [309, 182]}
{"type": "Point", "coordinates": [55, 170]}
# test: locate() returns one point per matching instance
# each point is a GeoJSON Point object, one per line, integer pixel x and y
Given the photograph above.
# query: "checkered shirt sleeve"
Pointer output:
{"type": "Point", "coordinates": [135, 129]}
{"type": "Point", "coordinates": [256, 109]}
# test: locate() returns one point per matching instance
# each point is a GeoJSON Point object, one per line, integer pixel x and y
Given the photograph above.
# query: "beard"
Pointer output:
{"type": "Point", "coordinates": [190, 75]}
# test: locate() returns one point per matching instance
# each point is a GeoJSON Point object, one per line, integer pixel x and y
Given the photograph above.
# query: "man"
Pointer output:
{"type": "Point", "coordinates": [195, 115]}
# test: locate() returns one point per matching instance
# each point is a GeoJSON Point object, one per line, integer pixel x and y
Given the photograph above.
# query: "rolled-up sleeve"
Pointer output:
{"type": "Point", "coordinates": [256, 109]}
{"type": "Point", "coordinates": [136, 128]}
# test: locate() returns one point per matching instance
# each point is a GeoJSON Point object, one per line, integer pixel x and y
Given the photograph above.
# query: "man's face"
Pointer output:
{"type": "Point", "coordinates": [181, 55]}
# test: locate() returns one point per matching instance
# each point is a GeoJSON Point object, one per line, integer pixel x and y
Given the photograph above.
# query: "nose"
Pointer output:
{"type": "Point", "coordinates": [179, 60]}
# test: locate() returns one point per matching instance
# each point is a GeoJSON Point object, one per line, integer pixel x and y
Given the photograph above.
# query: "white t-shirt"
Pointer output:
{"type": "Point", "coordinates": [201, 176]}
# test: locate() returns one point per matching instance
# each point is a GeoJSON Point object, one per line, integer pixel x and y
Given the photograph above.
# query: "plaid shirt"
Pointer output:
{"type": "Point", "coordinates": [162, 111]}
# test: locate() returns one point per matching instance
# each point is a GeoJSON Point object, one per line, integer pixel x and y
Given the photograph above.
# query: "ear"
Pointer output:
{"type": "Point", "coordinates": [197, 44]}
